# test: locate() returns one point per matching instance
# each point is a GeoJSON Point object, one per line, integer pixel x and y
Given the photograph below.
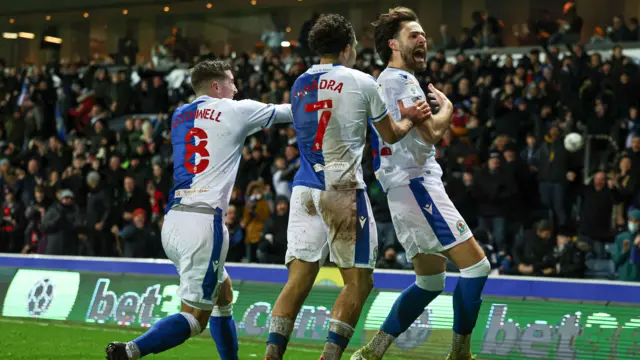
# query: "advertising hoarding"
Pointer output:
{"type": "Point", "coordinates": [507, 328]}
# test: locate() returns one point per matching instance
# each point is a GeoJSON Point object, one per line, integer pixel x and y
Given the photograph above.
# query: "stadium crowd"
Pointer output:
{"type": "Point", "coordinates": [82, 174]}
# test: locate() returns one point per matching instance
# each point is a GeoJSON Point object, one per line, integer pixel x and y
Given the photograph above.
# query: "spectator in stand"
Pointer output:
{"type": "Point", "coordinates": [570, 26]}
{"type": "Point", "coordinates": [57, 157]}
{"type": "Point", "coordinates": [599, 37]}
{"type": "Point", "coordinates": [626, 184]}
{"type": "Point", "coordinates": [553, 172]}
{"type": "Point", "coordinates": [130, 199]}
{"type": "Point", "coordinates": [273, 244]}
{"type": "Point", "coordinates": [634, 29]}
{"type": "Point", "coordinates": [31, 179]}
{"type": "Point", "coordinates": [389, 259]}
{"type": "Point", "coordinates": [98, 211]}
{"type": "Point", "coordinates": [493, 190]}
{"type": "Point", "coordinates": [11, 228]}
{"type": "Point", "coordinates": [33, 236]}
{"type": "Point", "coordinates": [532, 248]}
{"type": "Point", "coordinates": [135, 239]}
{"type": "Point", "coordinates": [568, 259]}
{"type": "Point", "coordinates": [545, 26]}
{"type": "Point", "coordinates": [236, 235]}
{"type": "Point", "coordinates": [626, 250]}
{"type": "Point", "coordinates": [61, 224]}
{"type": "Point", "coordinates": [281, 182]}
{"type": "Point", "coordinates": [446, 41]}
{"type": "Point", "coordinates": [597, 209]}
{"type": "Point", "coordinates": [618, 32]}
{"type": "Point", "coordinates": [256, 212]}
{"type": "Point", "coordinates": [530, 153]}
{"type": "Point", "coordinates": [157, 201]}
{"type": "Point", "coordinates": [634, 154]}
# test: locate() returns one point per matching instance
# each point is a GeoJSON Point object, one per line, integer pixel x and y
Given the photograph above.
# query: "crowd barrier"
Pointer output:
{"type": "Point", "coordinates": [521, 317]}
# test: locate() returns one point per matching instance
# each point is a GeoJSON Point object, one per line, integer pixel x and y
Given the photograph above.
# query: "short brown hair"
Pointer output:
{"type": "Point", "coordinates": [207, 71]}
{"type": "Point", "coordinates": [387, 27]}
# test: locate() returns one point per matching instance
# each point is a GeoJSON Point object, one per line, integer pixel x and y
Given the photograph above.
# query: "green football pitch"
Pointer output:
{"type": "Point", "coordinates": [33, 339]}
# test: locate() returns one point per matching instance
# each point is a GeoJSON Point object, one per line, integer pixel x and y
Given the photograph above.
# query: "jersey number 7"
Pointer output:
{"type": "Point", "coordinates": [325, 116]}
{"type": "Point", "coordinates": [192, 150]}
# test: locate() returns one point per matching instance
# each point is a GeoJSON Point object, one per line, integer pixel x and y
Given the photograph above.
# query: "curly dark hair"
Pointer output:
{"type": "Point", "coordinates": [387, 27]}
{"type": "Point", "coordinates": [207, 71]}
{"type": "Point", "coordinates": [331, 34]}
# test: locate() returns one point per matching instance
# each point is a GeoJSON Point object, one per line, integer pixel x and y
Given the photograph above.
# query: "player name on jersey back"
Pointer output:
{"type": "Point", "coordinates": [331, 105]}
{"type": "Point", "coordinates": [202, 114]}
{"type": "Point", "coordinates": [207, 137]}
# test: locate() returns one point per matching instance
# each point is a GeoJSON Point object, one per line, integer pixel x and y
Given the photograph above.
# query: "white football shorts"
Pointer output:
{"type": "Point", "coordinates": [425, 219]}
{"type": "Point", "coordinates": [197, 244]}
{"type": "Point", "coordinates": [338, 222]}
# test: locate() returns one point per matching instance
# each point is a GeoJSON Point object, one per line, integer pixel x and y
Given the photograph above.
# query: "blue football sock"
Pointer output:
{"type": "Point", "coordinates": [467, 297]}
{"type": "Point", "coordinates": [407, 308]}
{"type": "Point", "coordinates": [166, 334]}
{"type": "Point", "coordinates": [223, 332]}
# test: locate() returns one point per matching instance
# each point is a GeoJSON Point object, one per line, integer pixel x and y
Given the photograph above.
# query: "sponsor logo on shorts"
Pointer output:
{"type": "Point", "coordinates": [428, 208]}
{"type": "Point", "coordinates": [461, 226]}
{"type": "Point", "coordinates": [363, 220]}
{"type": "Point", "coordinates": [215, 266]}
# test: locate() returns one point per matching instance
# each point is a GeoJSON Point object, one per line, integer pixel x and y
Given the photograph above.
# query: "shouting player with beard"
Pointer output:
{"type": "Point", "coordinates": [427, 223]}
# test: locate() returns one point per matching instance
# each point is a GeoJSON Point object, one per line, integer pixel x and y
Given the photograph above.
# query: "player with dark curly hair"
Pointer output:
{"type": "Point", "coordinates": [333, 109]}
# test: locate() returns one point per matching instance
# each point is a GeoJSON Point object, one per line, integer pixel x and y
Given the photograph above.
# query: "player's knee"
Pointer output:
{"type": "Point", "coordinates": [481, 269]}
{"type": "Point", "coordinates": [434, 283]}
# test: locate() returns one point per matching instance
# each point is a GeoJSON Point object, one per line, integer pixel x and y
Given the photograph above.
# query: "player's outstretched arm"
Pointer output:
{"type": "Point", "coordinates": [259, 115]}
{"type": "Point", "coordinates": [433, 129]}
{"type": "Point", "coordinates": [393, 131]}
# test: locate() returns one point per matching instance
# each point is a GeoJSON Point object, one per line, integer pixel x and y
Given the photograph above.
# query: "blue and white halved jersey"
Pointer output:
{"type": "Point", "coordinates": [207, 137]}
{"type": "Point", "coordinates": [331, 107]}
{"type": "Point", "coordinates": [396, 164]}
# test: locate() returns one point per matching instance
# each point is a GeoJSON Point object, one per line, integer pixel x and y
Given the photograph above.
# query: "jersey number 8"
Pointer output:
{"type": "Point", "coordinates": [192, 150]}
{"type": "Point", "coordinates": [325, 116]}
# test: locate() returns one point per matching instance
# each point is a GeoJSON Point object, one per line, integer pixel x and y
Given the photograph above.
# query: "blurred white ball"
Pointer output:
{"type": "Point", "coordinates": [573, 142]}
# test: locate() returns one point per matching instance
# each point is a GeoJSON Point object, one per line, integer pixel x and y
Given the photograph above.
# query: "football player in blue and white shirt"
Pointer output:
{"type": "Point", "coordinates": [330, 212]}
{"type": "Point", "coordinates": [427, 223]}
{"type": "Point", "coordinates": [207, 137]}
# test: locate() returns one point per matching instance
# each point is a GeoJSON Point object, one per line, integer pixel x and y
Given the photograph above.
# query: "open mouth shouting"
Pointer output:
{"type": "Point", "coordinates": [420, 55]}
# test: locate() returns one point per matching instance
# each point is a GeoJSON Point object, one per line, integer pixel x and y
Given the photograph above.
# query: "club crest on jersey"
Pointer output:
{"type": "Point", "coordinates": [461, 226]}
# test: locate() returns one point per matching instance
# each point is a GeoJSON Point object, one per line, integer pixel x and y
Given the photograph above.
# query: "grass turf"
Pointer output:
{"type": "Point", "coordinates": [33, 339]}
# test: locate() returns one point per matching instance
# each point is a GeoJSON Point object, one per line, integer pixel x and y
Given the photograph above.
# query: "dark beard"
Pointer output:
{"type": "Point", "coordinates": [407, 57]}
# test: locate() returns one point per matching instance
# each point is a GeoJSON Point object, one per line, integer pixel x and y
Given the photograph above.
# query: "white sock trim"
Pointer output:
{"type": "Point", "coordinates": [194, 324]}
{"type": "Point", "coordinates": [433, 283]}
{"type": "Point", "coordinates": [222, 311]}
{"type": "Point", "coordinates": [341, 328]}
{"type": "Point", "coordinates": [133, 353]}
{"type": "Point", "coordinates": [481, 269]}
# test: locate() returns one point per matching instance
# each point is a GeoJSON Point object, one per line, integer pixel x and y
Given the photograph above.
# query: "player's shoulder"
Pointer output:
{"type": "Point", "coordinates": [360, 78]}
{"type": "Point", "coordinates": [391, 75]}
